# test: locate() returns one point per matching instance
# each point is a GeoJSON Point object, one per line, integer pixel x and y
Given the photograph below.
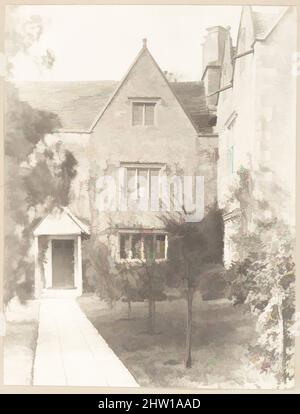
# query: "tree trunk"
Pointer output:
{"type": "Point", "coordinates": [129, 309]}
{"type": "Point", "coordinates": [282, 343]}
{"type": "Point", "coordinates": [151, 305]}
{"type": "Point", "coordinates": [92, 203]}
{"type": "Point", "coordinates": [151, 316]}
{"type": "Point", "coordinates": [188, 346]}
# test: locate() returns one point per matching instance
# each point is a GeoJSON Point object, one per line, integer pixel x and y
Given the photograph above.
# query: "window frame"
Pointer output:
{"type": "Point", "coordinates": [142, 233]}
{"type": "Point", "coordinates": [144, 101]}
{"type": "Point", "coordinates": [160, 167]}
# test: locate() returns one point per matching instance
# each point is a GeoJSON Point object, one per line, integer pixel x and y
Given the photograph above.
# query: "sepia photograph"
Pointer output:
{"type": "Point", "coordinates": [149, 196]}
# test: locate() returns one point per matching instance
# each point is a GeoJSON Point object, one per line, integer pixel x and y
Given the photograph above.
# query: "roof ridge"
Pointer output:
{"type": "Point", "coordinates": [80, 104]}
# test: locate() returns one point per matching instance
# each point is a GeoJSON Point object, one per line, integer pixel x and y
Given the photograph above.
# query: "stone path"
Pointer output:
{"type": "Point", "coordinates": [70, 350]}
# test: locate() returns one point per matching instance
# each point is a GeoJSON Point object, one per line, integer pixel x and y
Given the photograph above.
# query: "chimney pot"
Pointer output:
{"type": "Point", "coordinates": [144, 43]}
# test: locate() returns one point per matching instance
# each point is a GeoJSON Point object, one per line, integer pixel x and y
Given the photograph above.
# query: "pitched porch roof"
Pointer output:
{"type": "Point", "coordinates": [60, 222]}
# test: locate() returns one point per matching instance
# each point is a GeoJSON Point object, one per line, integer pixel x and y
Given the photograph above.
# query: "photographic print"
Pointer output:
{"type": "Point", "coordinates": [150, 166]}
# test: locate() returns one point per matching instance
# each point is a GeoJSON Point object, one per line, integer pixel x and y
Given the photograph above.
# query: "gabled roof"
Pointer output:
{"type": "Point", "coordinates": [80, 105]}
{"type": "Point", "coordinates": [264, 22]}
{"type": "Point", "coordinates": [60, 221]}
{"type": "Point", "coordinates": [192, 97]}
{"type": "Point", "coordinates": [75, 103]}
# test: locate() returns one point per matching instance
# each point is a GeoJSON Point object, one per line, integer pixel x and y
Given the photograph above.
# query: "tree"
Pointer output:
{"type": "Point", "coordinates": [263, 276]}
{"type": "Point", "coordinates": [265, 280]}
{"type": "Point", "coordinates": [194, 255]}
{"type": "Point", "coordinates": [100, 271]}
{"type": "Point", "coordinates": [22, 38]}
{"type": "Point", "coordinates": [129, 284]}
{"type": "Point", "coordinates": [152, 281]}
{"type": "Point", "coordinates": [36, 179]}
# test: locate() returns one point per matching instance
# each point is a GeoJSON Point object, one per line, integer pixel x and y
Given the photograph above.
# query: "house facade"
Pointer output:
{"type": "Point", "coordinates": [147, 145]}
{"type": "Point", "coordinates": [144, 147]}
{"type": "Point", "coordinates": [254, 95]}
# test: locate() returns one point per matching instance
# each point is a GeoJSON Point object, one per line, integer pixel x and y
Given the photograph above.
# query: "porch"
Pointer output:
{"type": "Point", "coordinates": [58, 256]}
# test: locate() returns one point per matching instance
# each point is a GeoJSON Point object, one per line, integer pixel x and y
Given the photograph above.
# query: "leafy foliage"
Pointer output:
{"type": "Point", "coordinates": [199, 244]}
{"type": "Point", "coordinates": [195, 256]}
{"type": "Point", "coordinates": [22, 38]}
{"type": "Point", "coordinates": [263, 276]}
{"type": "Point", "coordinates": [36, 178]}
{"type": "Point", "coordinates": [100, 271]}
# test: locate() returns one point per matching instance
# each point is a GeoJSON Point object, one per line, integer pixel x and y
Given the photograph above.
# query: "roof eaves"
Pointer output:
{"type": "Point", "coordinates": [174, 94]}
{"type": "Point", "coordinates": [220, 90]}
{"type": "Point", "coordinates": [208, 135]}
{"type": "Point", "coordinates": [71, 131]}
{"type": "Point", "coordinates": [78, 222]}
{"type": "Point", "coordinates": [83, 227]}
{"type": "Point", "coordinates": [263, 37]}
{"type": "Point", "coordinates": [116, 90]}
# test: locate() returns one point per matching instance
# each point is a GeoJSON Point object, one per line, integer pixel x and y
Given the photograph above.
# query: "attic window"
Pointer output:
{"type": "Point", "coordinates": [143, 113]}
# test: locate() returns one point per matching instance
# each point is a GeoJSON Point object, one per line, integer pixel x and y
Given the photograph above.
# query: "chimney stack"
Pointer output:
{"type": "Point", "coordinates": [212, 57]}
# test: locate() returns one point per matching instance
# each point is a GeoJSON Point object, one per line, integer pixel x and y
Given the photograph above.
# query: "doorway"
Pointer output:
{"type": "Point", "coordinates": [63, 264]}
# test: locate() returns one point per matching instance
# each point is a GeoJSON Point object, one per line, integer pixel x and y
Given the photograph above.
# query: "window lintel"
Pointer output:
{"type": "Point", "coordinates": [144, 99]}
{"type": "Point", "coordinates": [149, 165]}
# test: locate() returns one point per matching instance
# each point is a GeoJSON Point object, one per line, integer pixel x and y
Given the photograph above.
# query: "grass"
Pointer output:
{"type": "Point", "coordinates": [221, 335]}
{"type": "Point", "coordinates": [20, 342]}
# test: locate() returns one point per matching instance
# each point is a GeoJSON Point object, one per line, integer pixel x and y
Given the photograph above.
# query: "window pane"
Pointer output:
{"type": "Point", "coordinates": [137, 113]}
{"type": "Point", "coordinates": [131, 186]}
{"type": "Point", "coordinates": [143, 189]}
{"type": "Point", "coordinates": [149, 113]}
{"type": "Point", "coordinates": [149, 247]}
{"type": "Point", "coordinates": [154, 190]}
{"type": "Point", "coordinates": [136, 246]}
{"type": "Point", "coordinates": [142, 182]}
{"type": "Point", "coordinates": [160, 246]}
{"type": "Point", "coordinates": [124, 246]}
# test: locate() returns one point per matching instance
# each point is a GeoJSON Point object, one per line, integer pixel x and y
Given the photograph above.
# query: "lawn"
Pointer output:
{"type": "Point", "coordinates": [221, 335]}
{"type": "Point", "coordinates": [20, 342]}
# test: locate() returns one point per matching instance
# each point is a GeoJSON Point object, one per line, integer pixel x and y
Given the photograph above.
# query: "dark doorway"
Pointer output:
{"type": "Point", "coordinates": [63, 264]}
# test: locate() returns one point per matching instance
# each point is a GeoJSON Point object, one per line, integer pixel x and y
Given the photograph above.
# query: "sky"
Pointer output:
{"type": "Point", "coordinates": [100, 42]}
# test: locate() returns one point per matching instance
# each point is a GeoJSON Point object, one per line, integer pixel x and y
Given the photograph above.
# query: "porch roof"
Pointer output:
{"type": "Point", "coordinates": [60, 222]}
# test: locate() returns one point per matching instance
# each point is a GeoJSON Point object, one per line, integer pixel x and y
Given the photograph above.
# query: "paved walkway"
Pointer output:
{"type": "Point", "coordinates": [70, 350]}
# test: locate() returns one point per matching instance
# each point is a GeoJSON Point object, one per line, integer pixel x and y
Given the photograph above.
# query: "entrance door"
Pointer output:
{"type": "Point", "coordinates": [63, 264]}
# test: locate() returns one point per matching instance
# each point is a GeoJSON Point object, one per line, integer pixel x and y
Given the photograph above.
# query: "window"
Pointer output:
{"type": "Point", "coordinates": [143, 113]}
{"type": "Point", "coordinates": [137, 246]}
{"type": "Point", "coordinates": [143, 186]}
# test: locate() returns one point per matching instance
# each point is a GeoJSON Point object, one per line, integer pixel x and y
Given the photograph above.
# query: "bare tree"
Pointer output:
{"type": "Point", "coordinates": [194, 255]}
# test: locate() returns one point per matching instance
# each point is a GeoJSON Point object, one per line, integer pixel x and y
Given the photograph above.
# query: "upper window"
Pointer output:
{"type": "Point", "coordinates": [143, 113]}
{"type": "Point", "coordinates": [142, 185]}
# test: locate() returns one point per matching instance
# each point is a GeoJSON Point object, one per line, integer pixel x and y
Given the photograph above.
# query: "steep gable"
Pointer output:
{"type": "Point", "coordinates": [246, 34]}
{"type": "Point", "coordinates": [79, 104]}
{"type": "Point", "coordinates": [227, 63]}
{"type": "Point", "coordinates": [60, 221]}
{"type": "Point", "coordinates": [171, 136]}
{"type": "Point", "coordinates": [145, 80]}
{"type": "Point", "coordinates": [265, 21]}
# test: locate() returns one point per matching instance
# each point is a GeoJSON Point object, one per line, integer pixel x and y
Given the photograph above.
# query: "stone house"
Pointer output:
{"type": "Point", "coordinates": [252, 90]}
{"type": "Point", "coordinates": [135, 142]}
